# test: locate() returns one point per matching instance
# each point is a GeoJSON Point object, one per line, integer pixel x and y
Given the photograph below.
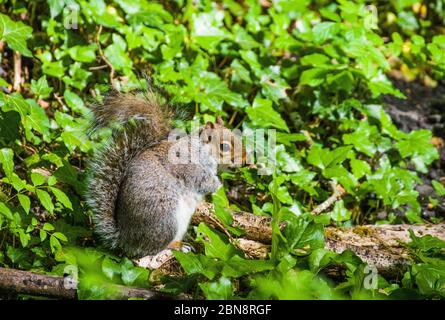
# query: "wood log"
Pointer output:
{"type": "Point", "coordinates": [378, 245]}
{"type": "Point", "coordinates": [26, 282]}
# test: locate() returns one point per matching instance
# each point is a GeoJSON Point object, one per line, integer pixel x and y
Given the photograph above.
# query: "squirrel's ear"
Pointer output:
{"type": "Point", "coordinates": [210, 125]}
{"type": "Point", "coordinates": [219, 120]}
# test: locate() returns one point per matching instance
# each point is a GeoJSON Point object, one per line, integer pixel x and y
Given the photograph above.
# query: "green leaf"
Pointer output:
{"type": "Point", "coordinates": [417, 146]}
{"type": "Point", "coordinates": [54, 244]}
{"type": "Point", "coordinates": [117, 53]}
{"type": "Point", "coordinates": [439, 188]}
{"type": "Point", "coordinates": [37, 179]}
{"type": "Point", "coordinates": [324, 31]}
{"type": "Point", "coordinates": [5, 211]}
{"type": "Point", "coordinates": [340, 213]}
{"type": "Point", "coordinates": [15, 34]}
{"type": "Point", "coordinates": [208, 29]}
{"type": "Point", "coordinates": [263, 115]}
{"type": "Point", "coordinates": [216, 244]}
{"type": "Point", "coordinates": [41, 88]}
{"type": "Point", "coordinates": [131, 274]}
{"type": "Point", "coordinates": [315, 59]}
{"type": "Point", "coordinates": [313, 77]}
{"type": "Point", "coordinates": [75, 102]}
{"type": "Point", "coordinates": [48, 226]}
{"type": "Point", "coordinates": [42, 234]}
{"type": "Point", "coordinates": [236, 266]}
{"type": "Point", "coordinates": [6, 159]}
{"type": "Point", "coordinates": [45, 200]}
{"type": "Point", "coordinates": [60, 236]}
{"type": "Point", "coordinates": [25, 202]}
{"type": "Point", "coordinates": [302, 234]}
{"type": "Point", "coordinates": [201, 264]}
{"type": "Point", "coordinates": [56, 7]}
{"type": "Point", "coordinates": [111, 268]}
{"type": "Point", "coordinates": [24, 238]}
{"type": "Point", "coordinates": [360, 168]}
{"type": "Point", "coordinates": [62, 197]}
{"type": "Point", "coordinates": [217, 290]}
{"type": "Point", "coordinates": [83, 53]}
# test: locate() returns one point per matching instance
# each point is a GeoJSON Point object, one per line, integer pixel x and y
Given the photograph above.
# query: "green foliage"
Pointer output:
{"type": "Point", "coordinates": [313, 70]}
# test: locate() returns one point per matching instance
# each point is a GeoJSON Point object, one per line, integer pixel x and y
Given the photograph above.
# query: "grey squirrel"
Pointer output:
{"type": "Point", "coordinates": [142, 199]}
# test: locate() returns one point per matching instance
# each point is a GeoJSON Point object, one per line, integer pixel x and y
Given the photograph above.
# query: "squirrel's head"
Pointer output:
{"type": "Point", "coordinates": [226, 145]}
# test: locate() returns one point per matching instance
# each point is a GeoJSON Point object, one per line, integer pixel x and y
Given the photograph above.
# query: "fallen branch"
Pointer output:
{"type": "Point", "coordinates": [26, 282]}
{"type": "Point", "coordinates": [378, 245]}
{"type": "Point", "coordinates": [337, 193]}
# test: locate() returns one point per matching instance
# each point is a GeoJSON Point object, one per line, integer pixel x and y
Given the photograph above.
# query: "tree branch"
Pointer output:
{"type": "Point", "coordinates": [378, 245]}
{"type": "Point", "coordinates": [26, 282]}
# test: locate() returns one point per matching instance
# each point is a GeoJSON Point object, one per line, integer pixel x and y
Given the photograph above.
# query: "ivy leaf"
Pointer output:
{"type": "Point", "coordinates": [313, 77]}
{"type": "Point", "coordinates": [216, 244]}
{"type": "Point", "coordinates": [117, 53]}
{"type": "Point", "coordinates": [15, 34]}
{"type": "Point", "coordinates": [83, 53]}
{"type": "Point", "coordinates": [75, 102]}
{"type": "Point", "coordinates": [439, 188]}
{"type": "Point", "coordinates": [130, 273]}
{"type": "Point", "coordinates": [41, 87]}
{"type": "Point", "coordinates": [200, 264]}
{"type": "Point", "coordinates": [56, 7]}
{"type": "Point", "coordinates": [417, 146]}
{"type": "Point", "coordinates": [263, 115]}
{"type": "Point", "coordinates": [208, 29]}
{"type": "Point", "coordinates": [237, 266]}
{"type": "Point", "coordinates": [340, 213]}
{"type": "Point", "coordinates": [315, 59]}
{"type": "Point", "coordinates": [360, 168]}
{"type": "Point", "coordinates": [218, 290]}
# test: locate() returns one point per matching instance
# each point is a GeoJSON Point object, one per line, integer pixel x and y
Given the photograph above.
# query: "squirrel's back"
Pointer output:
{"type": "Point", "coordinates": [138, 120]}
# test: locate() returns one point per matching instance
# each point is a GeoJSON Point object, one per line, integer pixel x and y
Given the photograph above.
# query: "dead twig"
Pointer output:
{"type": "Point", "coordinates": [337, 193]}
{"type": "Point", "coordinates": [103, 57]}
{"type": "Point", "coordinates": [17, 71]}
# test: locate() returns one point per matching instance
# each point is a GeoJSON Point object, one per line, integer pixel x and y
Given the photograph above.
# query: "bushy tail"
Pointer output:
{"type": "Point", "coordinates": [138, 120]}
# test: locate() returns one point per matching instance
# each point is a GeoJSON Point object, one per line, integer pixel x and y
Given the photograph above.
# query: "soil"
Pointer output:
{"type": "Point", "coordinates": [423, 108]}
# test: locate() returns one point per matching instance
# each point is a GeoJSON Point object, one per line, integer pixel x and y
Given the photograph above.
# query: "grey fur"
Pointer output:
{"type": "Point", "coordinates": [133, 188]}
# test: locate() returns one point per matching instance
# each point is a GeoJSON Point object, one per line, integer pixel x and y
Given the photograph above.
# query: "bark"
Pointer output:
{"type": "Point", "coordinates": [377, 245]}
{"type": "Point", "coordinates": [18, 281]}
{"type": "Point", "coordinates": [26, 282]}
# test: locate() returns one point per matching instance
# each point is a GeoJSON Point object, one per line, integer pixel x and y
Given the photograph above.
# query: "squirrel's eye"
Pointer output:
{"type": "Point", "coordinates": [224, 147]}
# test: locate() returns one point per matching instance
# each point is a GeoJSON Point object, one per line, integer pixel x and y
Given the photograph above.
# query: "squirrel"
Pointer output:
{"type": "Point", "coordinates": [141, 197]}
